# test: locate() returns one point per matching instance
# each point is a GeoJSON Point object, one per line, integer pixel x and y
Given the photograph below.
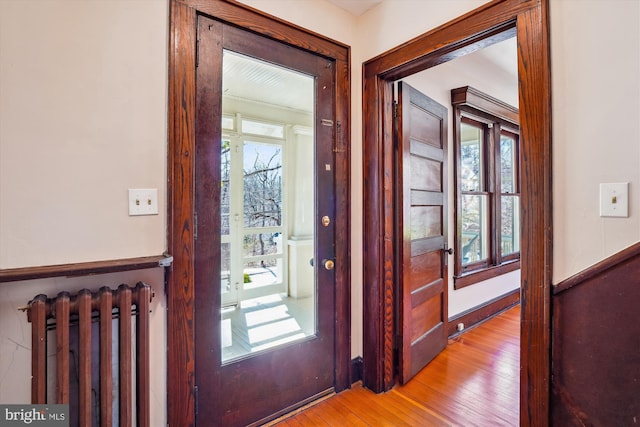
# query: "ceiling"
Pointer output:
{"type": "Point", "coordinates": [355, 7]}
{"type": "Point", "coordinates": [249, 79]}
{"type": "Point", "coordinates": [257, 81]}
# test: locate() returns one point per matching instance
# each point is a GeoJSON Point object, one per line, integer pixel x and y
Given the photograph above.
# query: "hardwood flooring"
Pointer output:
{"type": "Point", "coordinates": [473, 382]}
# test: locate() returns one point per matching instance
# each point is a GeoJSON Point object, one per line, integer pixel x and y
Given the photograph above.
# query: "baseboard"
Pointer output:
{"type": "Point", "coordinates": [482, 312]}
{"type": "Point", "coordinates": [356, 369]}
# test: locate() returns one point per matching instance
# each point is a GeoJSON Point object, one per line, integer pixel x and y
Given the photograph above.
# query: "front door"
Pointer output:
{"type": "Point", "coordinates": [264, 216]}
{"type": "Point", "coordinates": [422, 178]}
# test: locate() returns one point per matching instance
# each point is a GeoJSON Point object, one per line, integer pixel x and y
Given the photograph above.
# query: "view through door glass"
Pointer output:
{"type": "Point", "coordinates": [267, 207]}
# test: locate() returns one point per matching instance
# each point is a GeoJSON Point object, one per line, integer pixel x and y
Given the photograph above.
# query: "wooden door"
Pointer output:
{"type": "Point", "coordinates": [265, 382]}
{"type": "Point", "coordinates": [422, 204]}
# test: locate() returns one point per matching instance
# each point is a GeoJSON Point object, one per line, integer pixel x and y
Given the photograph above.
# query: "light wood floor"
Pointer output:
{"type": "Point", "coordinates": [473, 382]}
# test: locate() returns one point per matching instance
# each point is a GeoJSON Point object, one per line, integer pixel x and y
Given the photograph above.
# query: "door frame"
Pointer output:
{"type": "Point", "coordinates": [492, 22]}
{"type": "Point", "coordinates": [181, 382]}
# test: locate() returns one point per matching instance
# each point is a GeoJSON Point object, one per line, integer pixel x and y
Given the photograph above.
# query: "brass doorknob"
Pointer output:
{"type": "Point", "coordinates": [328, 264]}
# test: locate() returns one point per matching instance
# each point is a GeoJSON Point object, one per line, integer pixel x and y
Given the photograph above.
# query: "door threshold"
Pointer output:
{"type": "Point", "coordinates": [294, 409]}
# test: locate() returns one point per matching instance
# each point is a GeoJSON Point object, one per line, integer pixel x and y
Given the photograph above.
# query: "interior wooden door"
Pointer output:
{"type": "Point", "coordinates": [422, 290]}
{"type": "Point", "coordinates": [259, 385]}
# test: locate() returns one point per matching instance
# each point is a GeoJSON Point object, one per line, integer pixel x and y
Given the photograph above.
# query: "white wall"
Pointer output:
{"type": "Point", "coordinates": [596, 127]}
{"type": "Point", "coordinates": [83, 113]}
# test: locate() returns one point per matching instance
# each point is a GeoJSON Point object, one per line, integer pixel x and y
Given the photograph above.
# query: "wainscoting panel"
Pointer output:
{"type": "Point", "coordinates": [595, 345]}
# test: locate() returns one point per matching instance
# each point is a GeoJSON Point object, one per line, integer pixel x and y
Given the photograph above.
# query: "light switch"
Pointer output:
{"type": "Point", "coordinates": [614, 199]}
{"type": "Point", "coordinates": [143, 201]}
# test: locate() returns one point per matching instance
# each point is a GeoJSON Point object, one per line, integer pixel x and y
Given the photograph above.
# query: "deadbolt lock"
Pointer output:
{"type": "Point", "coordinates": [326, 221]}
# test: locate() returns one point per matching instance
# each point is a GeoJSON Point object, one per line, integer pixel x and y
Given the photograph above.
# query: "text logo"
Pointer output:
{"type": "Point", "coordinates": [34, 415]}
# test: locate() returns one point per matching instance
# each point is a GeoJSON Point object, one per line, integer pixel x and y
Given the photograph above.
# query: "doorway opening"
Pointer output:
{"type": "Point", "coordinates": [456, 189]}
{"type": "Point", "coordinates": [482, 27]}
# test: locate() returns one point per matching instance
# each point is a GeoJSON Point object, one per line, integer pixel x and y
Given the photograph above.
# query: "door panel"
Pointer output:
{"type": "Point", "coordinates": [253, 387]}
{"type": "Point", "coordinates": [426, 172]}
{"type": "Point", "coordinates": [425, 222]}
{"type": "Point", "coordinates": [421, 135]}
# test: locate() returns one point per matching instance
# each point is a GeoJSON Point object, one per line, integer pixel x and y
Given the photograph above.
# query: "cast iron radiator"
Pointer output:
{"type": "Point", "coordinates": [94, 360]}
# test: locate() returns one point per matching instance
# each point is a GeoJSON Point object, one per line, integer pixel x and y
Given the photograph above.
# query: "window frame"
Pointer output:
{"type": "Point", "coordinates": [237, 138]}
{"type": "Point", "coordinates": [494, 118]}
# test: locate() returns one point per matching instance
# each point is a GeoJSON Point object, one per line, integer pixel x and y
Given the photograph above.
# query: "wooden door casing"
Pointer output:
{"type": "Point", "coordinates": [486, 25]}
{"type": "Point", "coordinates": [182, 391]}
{"type": "Point", "coordinates": [422, 195]}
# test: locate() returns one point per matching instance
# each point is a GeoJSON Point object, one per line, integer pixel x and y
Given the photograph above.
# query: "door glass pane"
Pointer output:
{"type": "Point", "coordinates": [507, 162]}
{"type": "Point", "coordinates": [474, 229]}
{"type": "Point", "coordinates": [228, 123]}
{"type": "Point", "coordinates": [510, 236]}
{"type": "Point", "coordinates": [225, 195]}
{"type": "Point", "coordinates": [267, 207]}
{"type": "Point", "coordinates": [262, 272]}
{"type": "Point", "coordinates": [262, 244]}
{"type": "Point", "coordinates": [262, 166]}
{"type": "Point", "coordinates": [225, 268]}
{"type": "Point", "coordinates": [471, 157]}
{"type": "Point", "coordinates": [227, 282]}
{"type": "Point", "coordinates": [262, 128]}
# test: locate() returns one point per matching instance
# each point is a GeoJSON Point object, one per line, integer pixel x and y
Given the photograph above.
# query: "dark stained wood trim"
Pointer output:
{"type": "Point", "coordinates": [529, 18]}
{"type": "Point", "coordinates": [474, 277]}
{"type": "Point", "coordinates": [468, 97]}
{"type": "Point", "coordinates": [343, 222]}
{"type": "Point", "coordinates": [181, 147]}
{"type": "Point", "coordinates": [536, 215]}
{"type": "Point", "coordinates": [421, 53]}
{"type": "Point", "coordinates": [80, 269]}
{"type": "Point", "coordinates": [483, 312]}
{"type": "Point", "coordinates": [356, 370]}
{"type": "Point", "coordinates": [180, 299]}
{"type": "Point", "coordinates": [597, 269]}
{"type": "Point", "coordinates": [242, 15]}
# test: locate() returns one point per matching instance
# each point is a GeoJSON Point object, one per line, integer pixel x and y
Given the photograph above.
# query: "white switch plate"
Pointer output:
{"type": "Point", "coordinates": [143, 201]}
{"type": "Point", "coordinates": [614, 199]}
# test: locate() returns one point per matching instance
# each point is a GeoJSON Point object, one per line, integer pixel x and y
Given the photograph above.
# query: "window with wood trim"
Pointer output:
{"type": "Point", "coordinates": [487, 186]}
